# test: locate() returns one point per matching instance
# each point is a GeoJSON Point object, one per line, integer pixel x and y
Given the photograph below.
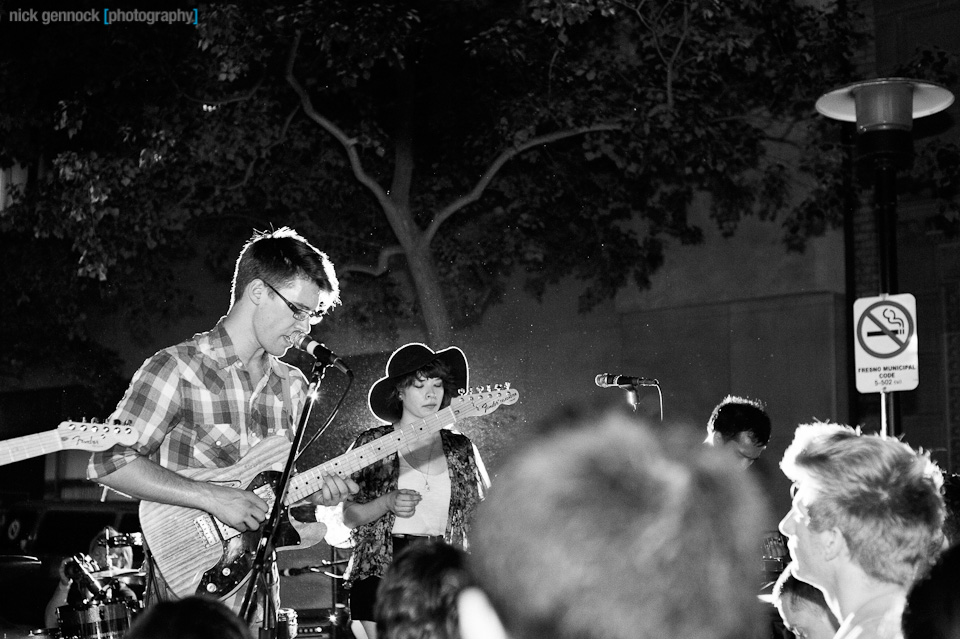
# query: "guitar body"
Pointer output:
{"type": "Point", "coordinates": [197, 554]}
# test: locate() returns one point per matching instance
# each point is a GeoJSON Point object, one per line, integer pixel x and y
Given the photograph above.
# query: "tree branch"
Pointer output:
{"type": "Point", "coordinates": [280, 138]}
{"type": "Point", "coordinates": [383, 262]}
{"type": "Point", "coordinates": [505, 156]}
{"type": "Point", "coordinates": [240, 97]}
{"type": "Point", "coordinates": [349, 144]}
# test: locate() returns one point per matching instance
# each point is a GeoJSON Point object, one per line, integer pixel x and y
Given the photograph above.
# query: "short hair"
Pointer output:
{"type": "Point", "coordinates": [193, 617]}
{"type": "Point", "coordinates": [788, 589]}
{"type": "Point", "coordinates": [280, 256]}
{"type": "Point", "coordinates": [881, 494]}
{"type": "Point", "coordinates": [613, 529]}
{"type": "Point", "coordinates": [735, 415]}
{"type": "Point", "coordinates": [933, 603]}
{"type": "Point", "coordinates": [418, 594]}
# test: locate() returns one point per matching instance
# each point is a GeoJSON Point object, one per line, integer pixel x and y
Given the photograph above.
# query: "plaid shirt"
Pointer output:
{"type": "Point", "coordinates": [195, 406]}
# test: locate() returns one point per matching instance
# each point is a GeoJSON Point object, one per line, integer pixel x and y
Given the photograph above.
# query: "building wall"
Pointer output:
{"type": "Point", "coordinates": [735, 315]}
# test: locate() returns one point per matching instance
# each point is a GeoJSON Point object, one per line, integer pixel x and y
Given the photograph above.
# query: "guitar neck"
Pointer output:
{"type": "Point", "coordinates": [27, 446]}
{"type": "Point", "coordinates": [308, 482]}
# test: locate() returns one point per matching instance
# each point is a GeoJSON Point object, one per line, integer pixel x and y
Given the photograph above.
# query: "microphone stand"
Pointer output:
{"type": "Point", "coordinates": [261, 573]}
{"type": "Point", "coordinates": [634, 401]}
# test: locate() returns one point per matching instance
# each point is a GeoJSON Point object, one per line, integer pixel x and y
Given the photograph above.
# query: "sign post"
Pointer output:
{"type": "Point", "coordinates": [885, 348]}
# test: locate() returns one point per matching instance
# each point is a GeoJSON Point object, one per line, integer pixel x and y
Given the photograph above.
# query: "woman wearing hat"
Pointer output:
{"type": "Point", "coordinates": [425, 492]}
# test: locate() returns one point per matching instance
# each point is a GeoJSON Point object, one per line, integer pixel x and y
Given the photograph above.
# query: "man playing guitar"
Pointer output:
{"type": "Point", "coordinates": [204, 403]}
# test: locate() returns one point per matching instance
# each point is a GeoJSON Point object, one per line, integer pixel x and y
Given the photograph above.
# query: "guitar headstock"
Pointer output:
{"type": "Point", "coordinates": [95, 436]}
{"type": "Point", "coordinates": [482, 400]}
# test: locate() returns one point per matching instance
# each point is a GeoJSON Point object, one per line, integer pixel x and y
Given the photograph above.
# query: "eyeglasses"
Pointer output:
{"type": "Point", "coordinates": [299, 313]}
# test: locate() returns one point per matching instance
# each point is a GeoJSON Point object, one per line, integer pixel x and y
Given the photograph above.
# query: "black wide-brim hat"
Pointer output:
{"type": "Point", "coordinates": [407, 359]}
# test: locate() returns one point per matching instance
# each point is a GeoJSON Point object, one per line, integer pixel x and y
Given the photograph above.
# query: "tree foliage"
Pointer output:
{"type": "Point", "coordinates": [935, 170]}
{"type": "Point", "coordinates": [433, 149]}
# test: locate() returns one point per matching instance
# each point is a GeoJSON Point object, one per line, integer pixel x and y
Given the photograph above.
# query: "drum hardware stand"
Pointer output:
{"type": "Point", "coordinates": [263, 570]}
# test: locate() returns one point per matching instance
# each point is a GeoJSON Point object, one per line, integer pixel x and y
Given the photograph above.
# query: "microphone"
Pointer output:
{"type": "Point", "coordinates": [323, 354]}
{"type": "Point", "coordinates": [606, 380]}
{"type": "Point", "coordinates": [303, 570]}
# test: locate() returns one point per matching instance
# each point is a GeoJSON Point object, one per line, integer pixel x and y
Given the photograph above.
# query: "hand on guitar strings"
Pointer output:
{"type": "Point", "coordinates": [240, 509]}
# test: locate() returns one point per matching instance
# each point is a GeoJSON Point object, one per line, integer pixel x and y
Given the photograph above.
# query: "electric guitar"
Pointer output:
{"type": "Point", "coordinates": [68, 435]}
{"type": "Point", "coordinates": [198, 554]}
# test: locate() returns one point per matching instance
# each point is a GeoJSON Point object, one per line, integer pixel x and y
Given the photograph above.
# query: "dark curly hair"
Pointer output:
{"type": "Point", "coordinates": [433, 370]}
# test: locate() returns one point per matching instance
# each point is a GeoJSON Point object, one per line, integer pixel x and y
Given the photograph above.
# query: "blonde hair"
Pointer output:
{"type": "Point", "coordinates": [881, 494]}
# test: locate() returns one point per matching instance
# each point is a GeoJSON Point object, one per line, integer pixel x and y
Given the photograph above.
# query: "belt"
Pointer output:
{"type": "Point", "coordinates": [411, 538]}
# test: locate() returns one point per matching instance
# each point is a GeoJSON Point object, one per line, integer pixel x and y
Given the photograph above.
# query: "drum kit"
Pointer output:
{"type": "Point", "coordinates": [106, 613]}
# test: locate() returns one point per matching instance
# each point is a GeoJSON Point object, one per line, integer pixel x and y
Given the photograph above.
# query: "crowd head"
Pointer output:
{"type": "Point", "coordinates": [802, 608]}
{"type": "Point", "coordinates": [612, 528]}
{"type": "Point", "coordinates": [933, 604]}
{"type": "Point", "coordinates": [882, 496]}
{"type": "Point", "coordinates": [193, 617]}
{"type": "Point", "coordinates": [418, 594]}
{"type": "Point", "coordinates": [742, 425]}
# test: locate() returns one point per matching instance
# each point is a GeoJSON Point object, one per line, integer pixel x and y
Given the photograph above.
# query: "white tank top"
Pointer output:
{"type": "Point", "coordinates": [430, 517]}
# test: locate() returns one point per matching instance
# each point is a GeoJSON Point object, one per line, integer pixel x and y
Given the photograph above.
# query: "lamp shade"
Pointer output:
{"type": "Point", "coordinates": [884, 104]}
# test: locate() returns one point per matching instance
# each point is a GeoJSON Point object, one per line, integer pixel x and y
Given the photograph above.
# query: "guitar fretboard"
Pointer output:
{"type": "Point", "coordinates": [309, 482]}
{"type": "Point", "coordinates": [27, 446]}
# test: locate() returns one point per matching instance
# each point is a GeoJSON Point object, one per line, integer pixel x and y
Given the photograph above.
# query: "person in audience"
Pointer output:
{"type": "Point", "coordinates": [866, 520]}
{"type": "Point", "coordinates": [802, 608]}
{"type": "Point", "coordinates": [418, 594]}
{"type": "Point", "coordinates": [933, 603]}
{"type": "Point", "coordinates": [426, 491]}
{"type": "Point", "coordinates": [740, 425]}
{"type": "Point", "coordinates": [101, 556]}
{"type": "Point", "coordinates": [193, 617]}
{"type": "Point", "coordinates": [614, 529]}
{"type": "Point", "coordinates": [951, 499]}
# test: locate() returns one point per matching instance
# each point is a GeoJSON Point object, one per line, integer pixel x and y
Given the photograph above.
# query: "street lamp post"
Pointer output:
{"type": "Point", "coordinates": [884, 110]}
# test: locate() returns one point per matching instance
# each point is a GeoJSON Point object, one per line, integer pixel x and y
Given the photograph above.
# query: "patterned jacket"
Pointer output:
{"type": "Point", "coordinates": [372, 542]}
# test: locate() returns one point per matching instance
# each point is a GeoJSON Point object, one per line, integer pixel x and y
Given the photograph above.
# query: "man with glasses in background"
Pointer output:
{"type": "Point", "coordinates": [204, 403]}
{"type": "Point", "coordinates": [865, 522]}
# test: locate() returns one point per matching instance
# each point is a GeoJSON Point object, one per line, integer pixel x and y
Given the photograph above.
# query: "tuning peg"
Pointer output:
{"type": "Point", "coordinates": [506, 385]}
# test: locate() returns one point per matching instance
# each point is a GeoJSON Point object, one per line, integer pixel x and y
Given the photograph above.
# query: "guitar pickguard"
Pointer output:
{"type": "Point", "coordinates": [240, 551]}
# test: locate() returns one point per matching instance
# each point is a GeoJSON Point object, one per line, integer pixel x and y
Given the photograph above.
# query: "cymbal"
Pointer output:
{"type": "Point", "coordinates": [13, 566]}
{"type": "Point", "coordinates": [18, 560]}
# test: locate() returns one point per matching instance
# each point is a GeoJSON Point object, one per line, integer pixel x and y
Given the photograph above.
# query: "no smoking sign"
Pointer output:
{"type": "Point", "coordinates": [885, 346]}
